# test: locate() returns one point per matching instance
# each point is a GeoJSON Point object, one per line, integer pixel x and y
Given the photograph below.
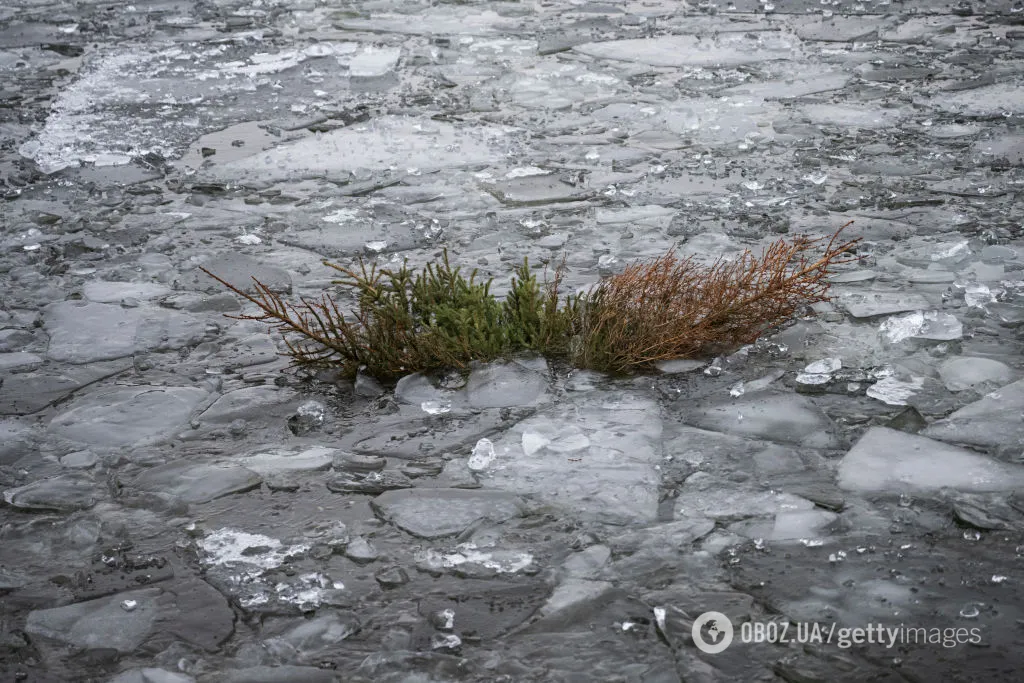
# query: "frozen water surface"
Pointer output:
{"type": "Point", "coordinates": [178, 506]}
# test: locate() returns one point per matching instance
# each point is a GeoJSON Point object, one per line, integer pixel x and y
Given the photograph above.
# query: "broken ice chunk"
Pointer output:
{"type": "Point", "coordinates": [812, 379]}
{"type": "Point", "coordinates": [482, 457]}
{"type": "Point", "coordinates": [526, 171]}
{"type": "Point", "coordinates": [772, 415]}
{"type": "Point", "coordinates": [819, 372]}
{"type": "Point", "coordinates": [533, 441]}
{"type": "Point", "coordinates": [556, 241]}
{"type": "Point", "coordinates": [894, 392]}
{"type": "Point", "coordinates": [374, 62]}
{"type": "Point", "coordinates": [797, 524]}
{"type": "Point", "coordinates": [964, 373]}
{"type": "Point", "coordinates": [994, 420]}
{"type": "Point", "coordinates": [233, 547]}
{"type": "Point", "coordinates": [949, 251]}
{"type": "Point", "coordinates": [869, 304]}
{"type": "Point", "coordinates": [916, 252]}
{"type": "Point", "coordinates": [978, 295]}
{"type": "Point", "coordinates": [341, 216]}
{"type": "Point", "coordinates": [932, 325]}
{"type": "Point", "coordinates": [670, 367]}
{"type": "Point", "coordinates": [417, 389]}
{"type": "Point", "coordinates": [554, 437]}
{"type": "Point", "coordinates": [436, 407]}
{"type": "Point", "coordinates": [824, 366]}
{"type": "Point", "coordinates": [504, 385]}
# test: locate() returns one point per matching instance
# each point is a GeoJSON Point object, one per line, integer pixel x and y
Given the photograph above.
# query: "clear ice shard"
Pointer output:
{"type": "Point", "coordinates": [869, 304]}
{"type": "Point", "coordinates": [929, 325]}
{"type": "Point", "coordinates": [482, 457]}
{"type": "Point", "coordinates": [893, 391]}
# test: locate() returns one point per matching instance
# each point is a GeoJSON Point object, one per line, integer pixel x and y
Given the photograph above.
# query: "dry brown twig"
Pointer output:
{"type": "Point", "coordinates": [678, 308]}
{"type": "Point", "coordinates": [313, 332]}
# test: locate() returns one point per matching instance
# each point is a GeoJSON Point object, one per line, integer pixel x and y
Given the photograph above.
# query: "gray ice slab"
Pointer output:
{"type": "Point", "coordinates": [595, 457]}
{"type": "Point", "coordinates": [63, 493]}
{"type": "Point", "coordinates": [999, 99]}
{"type": "Point", "coordinates": [840, 29]}
{"type": "Point", "coordinates": [435, 513]}
{"type": "Point", "coordinates": [248, 403]}
{"type": "Point", "coordinates": [272, 459]}
{"type": "Point", "coordinates": [504, 386]}
{"type": "Point", "coordinates": [414, 438]}
{"type": "Point", "coordinates": [128, 415]}
{"type": "Point", "coordinates": [870, 304]}
{"type": "Point", "coordinates": [964, 372]}
{"type": "Point", "coordinates": [782, 417]}
{"type": "Point", "coordinates": [386, 142]}
{"type": "Point", "coordinates": [189, 610]}
{"type": "Point", "coordinates": [83, 332]}
{"type": "Point", "coordinates": [105, 292]}
{"type": "Point", "coordinates": [238, 270]}
{"type": "Point", "coordinates": [994, 420]}
{"type": "Point", "coordinates": [102, 623]}
{"type": "Point", "coordinates": [887, 460]}
{"type": "Point", "coordinates": [724, 50]}
{"type": "Point", "coordinates": [16, 439]}
{"type": "Point", "coordinates": [197, 482]}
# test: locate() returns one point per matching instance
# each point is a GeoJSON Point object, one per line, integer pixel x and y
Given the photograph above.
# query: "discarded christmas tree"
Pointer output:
{"type": "Point", "coordinates": [668, 308]}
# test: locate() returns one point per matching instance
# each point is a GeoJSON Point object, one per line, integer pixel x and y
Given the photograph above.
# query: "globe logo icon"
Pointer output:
{"type": "Point", "coordinates": [712, 632]}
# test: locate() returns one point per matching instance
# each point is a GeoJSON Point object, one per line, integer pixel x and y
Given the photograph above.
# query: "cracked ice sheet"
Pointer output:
{"type": "Point", "coordinates": [129, 103]}
{"type": "Point", "coordinates": [730, 49]}
{"type": "Point", "coordinates": [389, 142]}
{"type": "Point", "coordinates": [436, 21]}
{"type": "Point", "coordinates": [595, 457]}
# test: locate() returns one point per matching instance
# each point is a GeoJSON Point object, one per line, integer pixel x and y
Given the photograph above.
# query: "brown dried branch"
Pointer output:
{"type": "Point", "coordinates": [677, 308]}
